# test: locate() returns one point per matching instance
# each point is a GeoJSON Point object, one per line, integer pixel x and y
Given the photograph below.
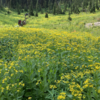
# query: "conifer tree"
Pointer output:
{"type": "Point", "coordinates": [59, 10]}
{"type": "Point", "coordinates": [1, 7]}
{"type": "Point", "coordinates": [18, 8]}
{"type": "Point", "coordinates": [49, 6]}
{"type": "Point", "coordinates": [45, 5]}
{"type": "Point", "coordinates": [82, 6]}
{"type": "Point", "coordinates": [76, 10]}
{"type": "Point", "coordinates": [37, 6]}
{"type": "Point", "coordinates": [10, 4]}
{"type": "Point", "coordinates": [36, 9]}
{"type": "Point", "coordinates": [25, 8]}
{"type": "Point", "coordinates": [65, 7]}
{"type": "Point", "coordinates": [69, 17]}
{"type": "Point", "coordinates": [89, 5]}
{"type": "Point", "coordinates": [41, 9]}
{"type": "Point", "coordinates": [92, 9]}
{"type": "Point", "coordinates": [31, 9]}
{"type": "Point", "coordinates": [97, 4]}
{"type": "Point", "coordinates": [54, 8]}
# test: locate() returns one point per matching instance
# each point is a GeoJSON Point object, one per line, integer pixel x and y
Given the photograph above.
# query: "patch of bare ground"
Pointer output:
{"type": "Point", "coordinates": [88, 25]}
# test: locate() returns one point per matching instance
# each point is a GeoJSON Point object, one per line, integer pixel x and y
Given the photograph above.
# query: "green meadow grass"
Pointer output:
{"type": "Point", "coordinates": [58, 22]}
{"type": "Point", "coordinates": [49, 58]}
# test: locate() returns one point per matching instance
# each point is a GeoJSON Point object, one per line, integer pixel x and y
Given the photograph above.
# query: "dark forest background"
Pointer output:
{"type": "Point", "coordinates": [52, 6]}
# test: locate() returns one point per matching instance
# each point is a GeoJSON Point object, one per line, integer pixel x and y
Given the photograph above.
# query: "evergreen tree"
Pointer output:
{"type": "Point", "coordinates": [10, 4]}
{"type": "Point", "coordinates": [76, 10]}
{"type": "Point", "coordinates": [90, 5]}
{"type": "Point", "coordinates": [37, 6]}
{"type": "Point", "coordinates": [36, 9]}
{"type": "Point", "coordinates": [31, 9]}
{"type": "Point", "coordinates": [41, 9]}
{"type": "Point", "coordinates": [69, 17]}
{"type": "Point", "coordinates": [49, 6]}
{"type": "Point", "coordinates": [83, 6]}
{"type": "Point", "coordinates": [59, 10]}
{"type": "Point", "coordinates": [18, 8]}
{"type": "Point", "coordinates": [54, 8]}
{"type": "Point", "coordinates": [45, 6]}
{"type": "Point", "coordinates": [1, 7]}
{"type": "Point", "coordinates": [36, 14]}
{"type": "Point", "coordinates": [25, 8]}
{"type": "Point", "coordinates": [92, 9]}
{"type": "Point", "coordinates": [97, 4]}
{"type": "Point", "coordinates": [65, 7]}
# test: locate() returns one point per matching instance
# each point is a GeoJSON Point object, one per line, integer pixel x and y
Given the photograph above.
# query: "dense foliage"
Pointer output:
{"type": "Point", "coordinates": [54, 6]}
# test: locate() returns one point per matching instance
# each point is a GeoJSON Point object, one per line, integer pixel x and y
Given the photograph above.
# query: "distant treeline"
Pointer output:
{"type": "Point", "coordinates": [22, 3]}
{"type": "Point", "coordinates": [74, 6]}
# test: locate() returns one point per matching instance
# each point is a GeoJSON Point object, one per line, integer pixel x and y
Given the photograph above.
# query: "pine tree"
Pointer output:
{"type": "Point", "coordinates": [82, 6]}
{"type": "Point", "coordinates": [45, 5]}
{"type": "Point", "coordinates": [41, 9]}
{"type": "Point", "coordinates": [18, 8]}
{"type": "Point", "coordinates": [89, 5]}
{"type": "Point", "coordinates": [25, 8]}
{"type": "Point", "coordinates": [69, 17]}
{"type": "Point", "coordinates": [37, 6]}
{"type": "Point", "coordinates": [31, 9]}
{"type": "Point", "coordinates": [36, 14]}
{"type": "Point", "coordinates": [65, 7]}
{"type": "Point", "coordinates": [54, 8]}
{"type": "Point", "coordinates": [59, 10]}
{"type": "Point", "coordinates": [10, 4]}
{"type": "Point", "coordinates": [92, 9]}
{"type": "Point", "coordinates": [49, 6]}
{"type": "Point", "coordinates": [1, 7]}
{"type": "Point", "coordinates": [76, 10]}
{"type": "Point", "coordinates": [37, 9]}
{"type": "Point", "coordinates": [97, 4]}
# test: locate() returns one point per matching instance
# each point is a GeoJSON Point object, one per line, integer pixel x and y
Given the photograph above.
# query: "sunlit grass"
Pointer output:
{"type": "Point", "coordinates": [58, 22]}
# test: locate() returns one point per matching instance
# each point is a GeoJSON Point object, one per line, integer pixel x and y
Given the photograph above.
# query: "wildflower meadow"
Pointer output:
{"type": "Point", "coordinates": [44, 64]}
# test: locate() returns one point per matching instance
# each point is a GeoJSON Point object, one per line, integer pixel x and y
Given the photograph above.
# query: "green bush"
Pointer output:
{"type": "Point", "coordinates": [46, 15]}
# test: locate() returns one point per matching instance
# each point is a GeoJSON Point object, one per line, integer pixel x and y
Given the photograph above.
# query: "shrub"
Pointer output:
{"type": "Point", "coordinates": [18, 11]}
{"type": "Point", "coordinates": [46, 15]}
{"type": "Point", "coordinates": [69, 18]}
{"type": "Point", "coordinates": [36, 14]}
{"type": "Point", "coordinates": [8, 12]}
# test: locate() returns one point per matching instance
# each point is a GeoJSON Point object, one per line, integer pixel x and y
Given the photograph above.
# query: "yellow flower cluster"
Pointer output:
{"type": "Point", "coordinates": [61, 96]}
{"type": "Point", "coordinates": [53, 86]}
